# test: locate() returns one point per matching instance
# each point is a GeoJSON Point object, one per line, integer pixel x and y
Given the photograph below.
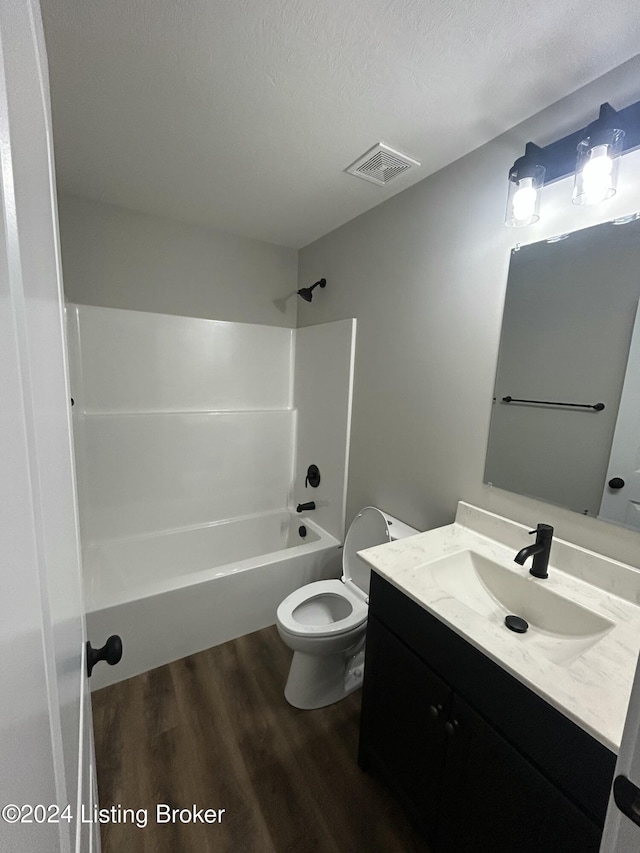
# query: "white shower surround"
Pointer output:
{"type": "Point", "coordinates": [185, 440]}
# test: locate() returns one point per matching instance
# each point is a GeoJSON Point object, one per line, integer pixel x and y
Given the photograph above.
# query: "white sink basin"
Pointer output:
{"type": "Point", "coordinates": [559, 629]}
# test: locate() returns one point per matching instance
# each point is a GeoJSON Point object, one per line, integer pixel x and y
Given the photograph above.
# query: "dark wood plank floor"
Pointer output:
{"type": "Point", "coordinates": [214, 730]}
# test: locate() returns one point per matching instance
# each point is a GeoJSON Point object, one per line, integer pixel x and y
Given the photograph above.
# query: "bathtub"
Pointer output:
{"type": "Point", "coordinates": [174, 593]}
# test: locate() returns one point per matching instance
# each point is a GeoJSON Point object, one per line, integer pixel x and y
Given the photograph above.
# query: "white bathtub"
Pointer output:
{"type": "Point", "coordinates": [171, 594]}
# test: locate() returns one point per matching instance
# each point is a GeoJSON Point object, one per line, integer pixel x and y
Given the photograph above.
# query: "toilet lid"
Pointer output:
{"type": "Point", "coordinates": [368, 528]}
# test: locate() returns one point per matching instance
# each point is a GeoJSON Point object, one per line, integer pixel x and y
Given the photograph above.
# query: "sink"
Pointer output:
{"type": "Point", "coordinates": [559, 629]}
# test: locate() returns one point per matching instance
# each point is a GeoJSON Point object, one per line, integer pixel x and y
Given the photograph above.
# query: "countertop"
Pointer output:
{"type": "Point", "coordinates": [593, 686]}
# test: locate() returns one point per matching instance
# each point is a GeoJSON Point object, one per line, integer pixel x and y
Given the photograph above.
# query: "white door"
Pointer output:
{"type": "Point", "coordinates": [621, 497]}
{"type": "Point", "coordinates": [622, 827]}
{"type": "Point", "coordinates": [45, 720]}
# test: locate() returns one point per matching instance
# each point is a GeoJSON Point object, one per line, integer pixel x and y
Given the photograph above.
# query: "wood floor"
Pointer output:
{"type": "Point", "coordinates": [214, 730]}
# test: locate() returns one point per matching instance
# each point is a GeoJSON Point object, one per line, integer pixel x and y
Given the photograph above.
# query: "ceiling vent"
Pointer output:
{"type": "Point", "coordinates": [381, 164]}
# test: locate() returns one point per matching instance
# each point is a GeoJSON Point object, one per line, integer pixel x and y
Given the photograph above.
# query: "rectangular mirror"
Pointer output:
{"type": "Point", "coordinates": [571, 340]}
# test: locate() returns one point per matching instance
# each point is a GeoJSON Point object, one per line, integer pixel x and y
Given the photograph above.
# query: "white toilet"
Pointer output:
{"type": "Point", "coordinates": [325, 622]}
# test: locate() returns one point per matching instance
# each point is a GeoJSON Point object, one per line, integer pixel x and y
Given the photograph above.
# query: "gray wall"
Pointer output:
{"type": "Point", "coordinates": [425, 276]}
{"type": "Point", "coordinates": [118, 258]}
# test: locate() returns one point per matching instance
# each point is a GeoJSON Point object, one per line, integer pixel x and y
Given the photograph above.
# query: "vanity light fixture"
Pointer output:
{"type": "Point", "coordinates": [598, 159]}
{"type": "Point", "coordinates": [526, 179]}
{"type": "Point", "coordinates": [592, 154]}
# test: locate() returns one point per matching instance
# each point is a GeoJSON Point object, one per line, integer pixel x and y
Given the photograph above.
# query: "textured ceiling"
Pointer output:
{"type": "Point", "coordinates": [243, 114]}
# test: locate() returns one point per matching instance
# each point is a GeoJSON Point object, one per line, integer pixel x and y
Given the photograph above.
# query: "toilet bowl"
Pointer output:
{"type": "Point", "coordinates": [325, 622]}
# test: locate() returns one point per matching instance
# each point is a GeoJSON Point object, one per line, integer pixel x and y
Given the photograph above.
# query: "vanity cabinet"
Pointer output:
{"type": "Point", "coordinates": [479, 761]}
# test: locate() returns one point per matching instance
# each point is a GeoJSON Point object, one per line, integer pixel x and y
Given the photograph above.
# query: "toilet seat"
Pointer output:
{"type": "Point", "coordinates": [370, 527]}
{"type": "Point", "coordinates": [357, 616]}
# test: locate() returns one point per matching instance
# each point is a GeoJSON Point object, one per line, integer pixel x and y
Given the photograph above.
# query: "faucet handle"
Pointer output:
{"type": "Point", "coordinates": [546, 530]}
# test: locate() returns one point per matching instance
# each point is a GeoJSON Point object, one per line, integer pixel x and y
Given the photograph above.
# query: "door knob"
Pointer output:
{"type": "Point", "coordinates": [627, 798]}
{"type": "Point", "coordinates": [111, 652]}
{"type": "Point", "coordinates": [616, 483]}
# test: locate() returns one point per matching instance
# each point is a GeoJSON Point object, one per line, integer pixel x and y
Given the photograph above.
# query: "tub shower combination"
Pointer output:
{"type": "Point", "coordinates": [192, 440]}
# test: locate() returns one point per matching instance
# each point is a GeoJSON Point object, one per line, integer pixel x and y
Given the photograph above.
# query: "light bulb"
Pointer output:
{"type": "Point", "coordinates": [596, 174]}
{"type": "Point", "coordinates": [526, 179]}
{"type": "Point", "coordinates": [524, 200]}
{"type": "Point", "coordinates": [597, 167]}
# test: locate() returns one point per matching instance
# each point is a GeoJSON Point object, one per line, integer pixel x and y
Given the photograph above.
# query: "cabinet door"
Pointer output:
{"type": "Point", "coordinates": [402, 734]}
{"type": "Point", "coordinates": [494, 801]}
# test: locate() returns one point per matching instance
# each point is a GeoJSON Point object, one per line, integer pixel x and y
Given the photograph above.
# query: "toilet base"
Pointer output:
{"type": "Point", "coordinates": [316, 681]}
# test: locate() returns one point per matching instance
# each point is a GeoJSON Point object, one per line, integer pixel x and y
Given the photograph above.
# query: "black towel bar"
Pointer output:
{"type": "Point", "coordinates": [597, 406]}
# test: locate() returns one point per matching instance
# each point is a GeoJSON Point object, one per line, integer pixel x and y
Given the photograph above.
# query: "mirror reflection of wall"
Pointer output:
{"type": "Point", "coordinates": [568, 320]}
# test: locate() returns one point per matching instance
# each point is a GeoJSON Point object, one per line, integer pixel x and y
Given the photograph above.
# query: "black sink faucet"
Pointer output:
{"type": "Point", "coordinates": [540, 551]}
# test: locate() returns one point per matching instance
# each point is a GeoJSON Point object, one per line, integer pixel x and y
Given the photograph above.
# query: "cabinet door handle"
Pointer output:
{"type": "Point", "coordinates": [451, 727]}
{"type": "Point", "coordinates": [435, 711]}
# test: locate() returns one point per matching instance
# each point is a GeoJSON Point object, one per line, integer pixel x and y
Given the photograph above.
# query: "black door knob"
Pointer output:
{"type": "Point", "coordinates": [111, 652]}
{"type": "Point", "coordinates": [627, 798]}
{"type": "Point", "coordinates": [616, 483]}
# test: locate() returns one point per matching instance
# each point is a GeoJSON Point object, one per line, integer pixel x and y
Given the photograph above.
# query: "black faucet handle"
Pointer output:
{"type": "Point", "coordinates": [544, 530]}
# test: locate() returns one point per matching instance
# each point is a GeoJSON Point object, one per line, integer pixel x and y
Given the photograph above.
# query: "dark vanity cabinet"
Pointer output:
{"type": "Point", "coordinates": [479, 761]}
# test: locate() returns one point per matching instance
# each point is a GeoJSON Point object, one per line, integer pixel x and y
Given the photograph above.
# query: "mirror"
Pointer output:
{"type": "Point", "coordinates": [568, 329]}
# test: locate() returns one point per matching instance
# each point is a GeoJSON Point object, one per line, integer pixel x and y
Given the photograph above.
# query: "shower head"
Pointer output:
{"type": "Point", "coordinates": [307, 292]}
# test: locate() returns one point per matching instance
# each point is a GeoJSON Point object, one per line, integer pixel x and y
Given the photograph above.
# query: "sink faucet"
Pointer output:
{"type": "Point", "coordinates": [539, 551]}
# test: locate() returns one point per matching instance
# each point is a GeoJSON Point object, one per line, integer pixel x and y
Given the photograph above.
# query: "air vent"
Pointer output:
{"type": "Point", "coordinates": [381, 164]}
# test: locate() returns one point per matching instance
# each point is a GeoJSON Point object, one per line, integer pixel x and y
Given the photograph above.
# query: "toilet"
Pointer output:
{"type": "Point", "coordinates": [325, 622]}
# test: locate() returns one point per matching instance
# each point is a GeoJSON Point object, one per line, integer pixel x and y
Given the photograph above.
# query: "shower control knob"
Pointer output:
{"type": "Point", "coordinates": [111, 652]}
{"type": "Point", "coordinates": [616, 483]}
{"type": "Point", "coordinates": [313, 477]}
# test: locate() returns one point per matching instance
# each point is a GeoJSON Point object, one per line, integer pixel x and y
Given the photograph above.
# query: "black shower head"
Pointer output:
{"type": "Point", "coordinates": [307, 292]}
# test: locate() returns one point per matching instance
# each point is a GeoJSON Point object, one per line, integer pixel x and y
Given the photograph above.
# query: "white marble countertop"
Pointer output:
{"type": "Point", "coordinates": [593, 687]}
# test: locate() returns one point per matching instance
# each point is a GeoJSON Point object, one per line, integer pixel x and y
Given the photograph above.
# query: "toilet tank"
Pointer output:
{"type": "Point", "coordinates": [398, 529]}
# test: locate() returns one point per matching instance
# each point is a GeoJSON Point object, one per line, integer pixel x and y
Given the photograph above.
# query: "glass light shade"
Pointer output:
{"type": "Point", "coordinates": [597, 167]}
{"type": "Point", "coordinates": [523, 203]}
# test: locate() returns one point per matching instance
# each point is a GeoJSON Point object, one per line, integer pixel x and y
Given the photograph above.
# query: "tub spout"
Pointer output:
{"type": "Point", "coordinates": [306, 507]}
